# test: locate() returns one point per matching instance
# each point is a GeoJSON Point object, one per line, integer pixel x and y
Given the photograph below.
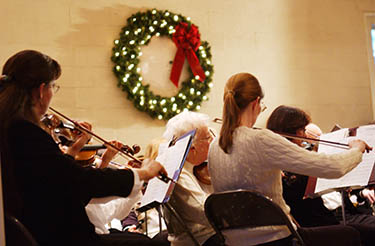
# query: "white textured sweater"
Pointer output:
{"type": "Point", "coordinates": [255, 163]}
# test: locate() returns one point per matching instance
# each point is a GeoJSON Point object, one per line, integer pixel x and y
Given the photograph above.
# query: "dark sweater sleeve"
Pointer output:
{"type": "Point", "coordinates": [39, 158]}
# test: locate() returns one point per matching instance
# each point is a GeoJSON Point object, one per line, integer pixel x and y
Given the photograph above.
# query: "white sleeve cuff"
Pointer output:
{"type": "Point", "coordinates": [138, 184]}
{"type": "Point", "coordinates": [97, 162]}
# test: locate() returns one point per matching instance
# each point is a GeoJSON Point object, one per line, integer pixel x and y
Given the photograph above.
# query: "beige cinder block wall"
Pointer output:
{"type": "Point", "coordinates": [310, 54]}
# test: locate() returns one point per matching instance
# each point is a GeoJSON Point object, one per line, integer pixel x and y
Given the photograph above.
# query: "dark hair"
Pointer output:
{"type": "Point", "coordinates": [286, 119]}
{"type": "Point", "coordinates": [239, 91]}
{"type": "Point", "coordinates": [21, 73]}
{"type": "Point", "coordinates": [30, 68]}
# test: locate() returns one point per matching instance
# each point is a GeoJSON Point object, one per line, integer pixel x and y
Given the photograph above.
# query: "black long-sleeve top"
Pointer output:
{"type": "Point", "coordinates": [308, 212]}
{"type": "Point", "coordinates": [55, 190]}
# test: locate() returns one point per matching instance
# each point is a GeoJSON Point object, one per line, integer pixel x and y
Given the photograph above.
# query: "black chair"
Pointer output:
{"type": "Point", "coordinates": [245, 209]}
{"type": "Point", "coordinates": [16, 233]}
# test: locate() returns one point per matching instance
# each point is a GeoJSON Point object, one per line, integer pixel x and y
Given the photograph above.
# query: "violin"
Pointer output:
{"type": "Point", "coordinates": [122, 152]}
{"type": "Point", "coordinates": [201, 173]}
{"type": "Point", "coordinates": [65, 133]}
{"type": "Point", "coordinates": [88, 153]}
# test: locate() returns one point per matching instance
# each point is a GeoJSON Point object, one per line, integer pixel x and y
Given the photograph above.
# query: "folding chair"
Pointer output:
{"type": "Point", "coordinates": [16, 233]}
{"type": "Point", "coordinates": [244, 209]}
{"type": "Point", "coordinates": [169, 212]}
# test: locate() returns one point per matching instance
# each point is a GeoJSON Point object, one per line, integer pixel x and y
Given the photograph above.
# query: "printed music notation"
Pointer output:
{"type": "Point", "coordinates": [361, 175]}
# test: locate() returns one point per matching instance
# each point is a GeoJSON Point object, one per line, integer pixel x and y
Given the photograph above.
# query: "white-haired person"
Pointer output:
{"type": "Point", "coordinates": [188, 196]}
{"type": "Point", "coordinates": [244, 157]}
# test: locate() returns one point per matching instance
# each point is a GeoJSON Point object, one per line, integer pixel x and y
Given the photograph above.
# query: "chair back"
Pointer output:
{"type": "Point", "coordinates": [244, 209]}
{"type": "Point", "coordinates": [16, 233]}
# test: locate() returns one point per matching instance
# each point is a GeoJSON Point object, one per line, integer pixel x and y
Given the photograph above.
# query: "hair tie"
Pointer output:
{"type": "Point", "coordinates": [4, 78]}
{"type": "Point", "coordinates": [231, 92]}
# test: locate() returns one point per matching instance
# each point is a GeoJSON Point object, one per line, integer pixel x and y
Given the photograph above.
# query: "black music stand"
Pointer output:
{"type": "Point", "coordinates": [343, 194]}
{"type": "Point", "coordinates": [176, 147]}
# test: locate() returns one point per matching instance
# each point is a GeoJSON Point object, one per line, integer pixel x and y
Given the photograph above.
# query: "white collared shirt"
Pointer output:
{"type": "Point", "coordinates": [102, 211]}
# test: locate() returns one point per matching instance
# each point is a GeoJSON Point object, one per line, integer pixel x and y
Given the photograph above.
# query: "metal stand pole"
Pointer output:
{"type": "Point", "coordinates": [177, 216]}
{"type": "Point", "coordinates": [159, 212]}
{"type": "Point", "coordinates": [146, 223]}
{"type": "Point", "coordinates": [343, 194]}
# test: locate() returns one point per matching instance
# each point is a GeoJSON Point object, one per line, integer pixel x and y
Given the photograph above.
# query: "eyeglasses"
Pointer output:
{"type": "Point", "coordinates": [262, 106]}
{"type": "Point", "coordinates": [55, 87]}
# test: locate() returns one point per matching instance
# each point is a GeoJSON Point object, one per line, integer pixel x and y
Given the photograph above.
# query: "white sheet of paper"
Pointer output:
{"type": "Point", "coordinates": [171, 158]}
{"type": "Point", "coordinates": [360, 175]}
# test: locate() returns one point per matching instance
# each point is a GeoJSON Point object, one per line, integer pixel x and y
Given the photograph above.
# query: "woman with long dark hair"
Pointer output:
{"type": "Point", "coordinates": [44, 188]}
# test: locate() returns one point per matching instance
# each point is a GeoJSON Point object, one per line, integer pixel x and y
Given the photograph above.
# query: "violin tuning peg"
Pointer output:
{"type": "Point", "coordinates": [136, 148]}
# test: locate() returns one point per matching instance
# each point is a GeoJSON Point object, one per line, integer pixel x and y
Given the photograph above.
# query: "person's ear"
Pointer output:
{"type": "Point", "coordinates": [255, 103]}
{"type": "Point", "coordinates": [38, 92]}
{"type": "Point", "coordinates": [41, 88]}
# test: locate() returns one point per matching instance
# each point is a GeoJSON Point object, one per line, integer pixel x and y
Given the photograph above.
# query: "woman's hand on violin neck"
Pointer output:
{"type": "Point", "coordinates": [150, 169]}
{"type": "Point", "coordinates": [359, 144]}
{"type": "Point", "coordinates": [81, 140]}
{"type": "Point", "coordinates": [110, 153]}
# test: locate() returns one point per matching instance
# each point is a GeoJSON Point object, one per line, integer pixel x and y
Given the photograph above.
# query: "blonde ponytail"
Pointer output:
{"type": "Point", "coordinates": [230, 121]}
{"type": "Point", "coordinates": [239, 91]}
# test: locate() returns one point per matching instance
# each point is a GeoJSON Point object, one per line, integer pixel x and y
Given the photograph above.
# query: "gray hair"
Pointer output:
{"type": "Point", "coordinates": [183, 123]}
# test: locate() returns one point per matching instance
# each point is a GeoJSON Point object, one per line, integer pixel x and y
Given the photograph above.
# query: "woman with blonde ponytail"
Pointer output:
{"type": "Point", "coordinates": [248, 158]}
{"type": "Point", "coordinates": [240, 89]}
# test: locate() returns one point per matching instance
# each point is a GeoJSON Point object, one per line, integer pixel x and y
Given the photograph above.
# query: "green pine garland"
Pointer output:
{"type": "Point", "coordinates": [140, 28]}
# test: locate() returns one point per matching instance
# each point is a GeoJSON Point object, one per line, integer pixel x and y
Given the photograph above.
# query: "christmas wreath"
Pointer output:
{"type": "Point", "coordinates": [140, 28]}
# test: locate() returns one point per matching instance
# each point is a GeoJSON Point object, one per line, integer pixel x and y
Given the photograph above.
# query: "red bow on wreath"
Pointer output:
{"type": "Point", "coordinates": [187, 42]}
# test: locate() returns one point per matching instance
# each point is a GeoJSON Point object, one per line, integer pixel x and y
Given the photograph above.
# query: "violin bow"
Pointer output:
{"type": "Point", "coordinates": [161, 176]}
{"type": "Point", "coordinates": [288, 135]}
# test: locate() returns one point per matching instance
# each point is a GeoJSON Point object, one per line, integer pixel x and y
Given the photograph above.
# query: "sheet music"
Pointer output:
{"type": "Point", "coordinates": [367, 134]}
{"type": "Point", "coordinates": [172, 160]}
{"type": "Point", "coordinates": [360, 175]}
{"type": "Point", "coordinates": [339, 136]}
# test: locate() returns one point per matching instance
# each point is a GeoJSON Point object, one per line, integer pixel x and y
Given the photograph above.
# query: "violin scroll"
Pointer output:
{"type": "Point", "coordinates": [132, 150]}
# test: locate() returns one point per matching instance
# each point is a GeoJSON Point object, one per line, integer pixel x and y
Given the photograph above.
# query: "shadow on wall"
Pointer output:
{"type": "Point", "coordinates": [87, 68]}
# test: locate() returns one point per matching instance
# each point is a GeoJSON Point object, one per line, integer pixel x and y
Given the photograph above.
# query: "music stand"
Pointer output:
{"type": "Point", "coordinates": [172, 155]}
